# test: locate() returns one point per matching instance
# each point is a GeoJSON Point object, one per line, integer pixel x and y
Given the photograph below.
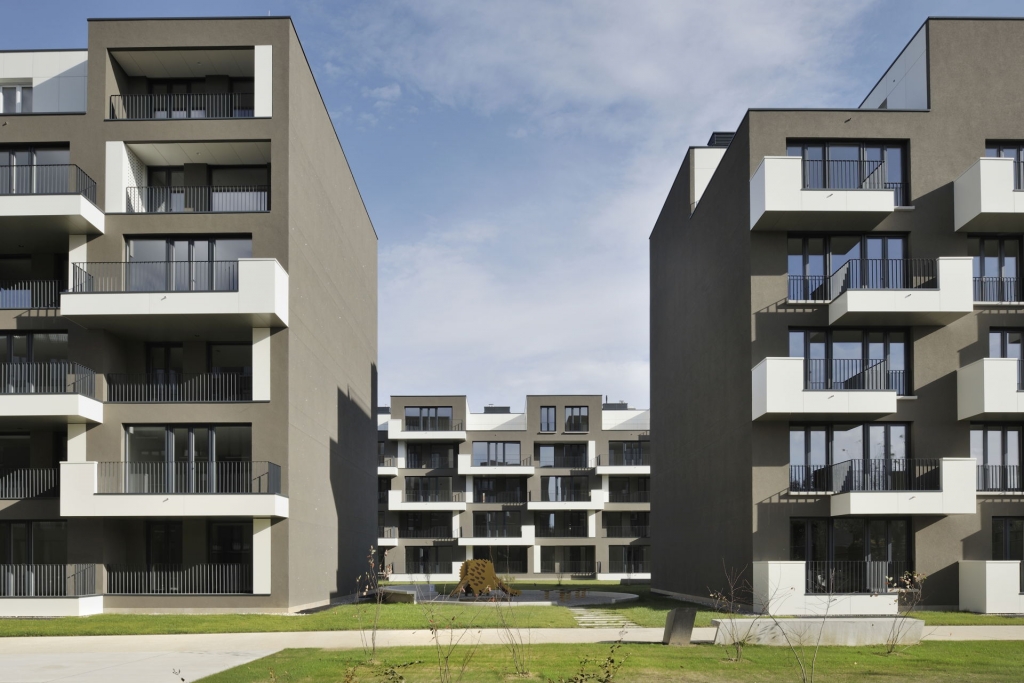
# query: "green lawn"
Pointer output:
{"type": "Point", "coordinates": [649, 610]}
{"type": "Point", "coordinates": [930, 661]}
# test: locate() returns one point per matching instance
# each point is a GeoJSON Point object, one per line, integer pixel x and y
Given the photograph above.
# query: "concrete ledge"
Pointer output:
{"type": "Point", "coordinates": [51, 607]}
{"type": "Point", "coordinates": [833, 631]}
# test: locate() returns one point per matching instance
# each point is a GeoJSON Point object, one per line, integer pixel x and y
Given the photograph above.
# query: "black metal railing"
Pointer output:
{"type": "Point", "coordinates": [854, 577]}
{"type": "Point", "coordinates": [47, 580]}
{"type": "Point", "coordinates": [435, 496]}
{"type": "Point", "coordinates": [808, 288]}
{"type": "Point", "coordinates": [999, 478]}
{"type": "Point", "coordinates": [30, 294]}
{"type": "Point", "coordinates": [564, 531]}
{"type": "Point", "coordinates": [570, 496]}
{"type": "Point", "coordinates": [175, 579]}
{"type": "Point", "coordinates": [631, 531]}
{"type": "Point", "coordinates": [243, 476]}
{"type": "Point", "coordinates": [53, 377]}
{"type": "Point", "coordinates": [145, 107]}
{"type": "Point", "coordinates": [509, 566]}
{"type": "Point", "coordinates": [836, 174]}
{"type": "Point", "coordinates": [155, 276]}
{"type": "Point", "coordinates": [432, 424]}
{"type": "Point", "coordinates": [510, 461]}
{"type": "Point", "coordinates": [495, 531]}
{"type": "Point", "coordinates": [853, 374]}
{"type": "Point", "coordinates": [431, 532]}
{"type": "Point", "coordinates": [629, 496]}
{"type": "Point", "coordinates": [894, 474]}
{"type": "Point", "coordinates": [29, 482]}
{"type": "Point", "coordinates": [629, 567]}
{"type": "Point", "coordinates": [179, 387]}
{"type": "Point", "coordinates": [871, 273]}
{"type": "Point", "coordinates": [571, 461]}
{"type": "Point", "coordinates": [199, 199]}
{"type": "Point", "coordinates": [387, 531]}
{"type": "Point", "coordinates": [624, 460]}
{"type": "Point", "coordinates": [46, 179]}
{"type": "Point", "coordinates": [810, 478]}
{"type": "Point", "coordinates": [428, 568]}
{"type": "Point", "coordinates": [499, 497]}
{"type": "Point", "coordinates": [568, 567]}
{"type": "Point", "coordinates": [997, 289]}
{"type": "Point", "coordinates": [416, 461]}
{"type": "Point", "coordinates": [387, 461]}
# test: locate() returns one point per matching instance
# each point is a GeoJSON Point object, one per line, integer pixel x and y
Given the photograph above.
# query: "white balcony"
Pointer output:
{"type": "Point", "coordinates": [255, 296]}
{"type": "Point", "coordinates": [778, 201]}
{"type": "Point", "coordinates": [397, 502]}
{"type": "Point", "coordinates": [397, 432]}
{"type": "Point", "coordinates": [929, 292]}
{"type": "Point", "coordinates": [985, 198]}
{"type": "Point", "coordinates": [49, 409]}
{"type": "Point", "coordinates": [597, 500]}
{"type": "Point", "coordinates": [81, 495]}
{"type": "Point", "coordinates": [779, 392]}
{"type": "Point", "coordinates": [989, 388]}
{"type": "Point", "coordinates": [991, 587]}
{"type": "Point", "coordinates": [920, 487]}
{"type": "Point", "coordinates": [43, 204]}
{"type": "Point", "coordinates": [466, 467]}
{"type": "Point", "coordinates": [780, 588]}
{"type": "Point", "coordinates": [526, 539]}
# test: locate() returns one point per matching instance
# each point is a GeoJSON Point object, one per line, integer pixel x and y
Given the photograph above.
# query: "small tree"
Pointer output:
{"type": "Point", "coordinates": [370, 583]}
{"type": "Point", "coordinates": [732, 600]}
{"type": "Point", "coordinates": [909, 590]}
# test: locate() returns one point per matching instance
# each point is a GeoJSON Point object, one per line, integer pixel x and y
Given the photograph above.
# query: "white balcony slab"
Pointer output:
{"type": "Point", "coordinates": [79, 498]}
{"type": "Point", "coordinates": [593, 504]}
{"type": "Point", "coordinates": [388, 542]}
{"type": "Point", "coordinates": [950, 301]}
{"type": "Point", "coordinates": [779, 202]}
{"type": "Point", "coordinates": [261, 301]}
{"type": "Point", "coordinates": [623, 470]}
{"type": "Point", "coordinates": [49, 409]}
{"type": "Point", "coordinates": [397, 432]}
{"type": "Point", "coordinates": [387, 471]}
{"type": "Point", "coordinates": [526, 539]}
{"type": "Point", "coordinates": [988, 388]}
{"type": "Point", "coordinates": [52, 607]}
{"type": "Point", "coordinates": [957, 495]}
{"type": "Point", "coordinates": [778, 392]}
{"type": "Point", "coordinates": [397, 502]}
{"type": "Point", "coordinates": [984, 199]}
{"type": "Point", "coordinates": [55, 215]}
{"type": "Point", "coordinates": [991, 587]}
{"type": "Point", "coordinates": [780, 588]}
{"type": "Point", "coordinates": [466, 467]}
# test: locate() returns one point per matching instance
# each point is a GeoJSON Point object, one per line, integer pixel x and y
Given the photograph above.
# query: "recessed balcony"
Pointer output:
{"type": "Point", "coordinates": [199, 199]}
{"type": "Point", "coordinates": [837, 588]}
{"type": "Point", "coordinates": [175, 489]}
{"type": "Point", "coordinates": [892, 291]}
{"type": "Point", "coordinates": [435, 429]}
{"type": "Point", "coordinates": [896, 486]}
{"type": "Point", "coordinates": [161, 298]}
{"type": "Point", "coordinates": [50, 393]}
{"type": "Point", "coordinates": [791, 193]}
{"type": "Point", "coordinates": [988, 196]}
{"type": "Point", "coordinates": [990, 388]}
{"type": "Point", "coordinates": [786, 387]}
{"type": "Point", "coordinates": [506, 535]}
{"type": "Point", "coordinates": [637, 463]}
{"type": "Point", "coordinates": [41, 204]}
{"type": "Point", "coordinates": [179, 387]}
{"type": "Point", "coordinates": [992, 586]}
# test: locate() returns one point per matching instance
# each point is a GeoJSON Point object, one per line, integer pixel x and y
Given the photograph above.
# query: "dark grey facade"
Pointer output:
{"type": "Point", "coordinates": [220, 284]}
{"type": "Point", "coordinates": [732, 291]}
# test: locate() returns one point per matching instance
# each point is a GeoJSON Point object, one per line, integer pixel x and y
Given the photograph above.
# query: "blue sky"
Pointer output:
{"type": "Point", "coordinates": [514, 155]}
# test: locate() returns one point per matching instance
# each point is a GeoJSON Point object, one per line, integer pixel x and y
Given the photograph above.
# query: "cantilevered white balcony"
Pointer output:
{"type": "Point", "coordinates": [443, 429]}
{"type": "Point", "coordinates": [424, 501]}
{"type": "Point", "coordinates": [916, 486]}
{"type": "Point", "coordinates": [143, 489]}
{"type": "Point", "coordinates": [522, 468]}
{"type": "Point", "coordinates": [988, 197]}
{"type": "Point", "coordinates": [48, 394]}
{"type": "Point", "coordinates": [792, 387]}
{"type": "Point", "coordinates": [780, 198]}
{"type": "Point", "coordinates": [46, 203]}
{"type": "Point", "coordinates": [162, 297]}
{"type": "Point", "coordinates": [990, 388]}
{"type": "Point", "coordinates": [497, 535]}
{"type": "Point", "coordinates": [992, 586]}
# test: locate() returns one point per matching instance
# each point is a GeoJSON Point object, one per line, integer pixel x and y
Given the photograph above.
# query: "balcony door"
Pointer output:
{"type": "Point", "coordinates": [841, 359]}
{"type": "Point", "coordinates": [851, 555]}
{"type": "Point", "coordinates": [163, 545]}
{"type": "Point", "coordinates": [31, 170]}
{"type": "Point", "coordinates": [997, 450]}
{"type": "Point", "coordinates": [997, 262]}
{"type": "Point", "coordinates": [185, 264]}
{"type": "Point", "coordinates": [822, 267]}
{"type": "Point", "coordinates": [852, 165]}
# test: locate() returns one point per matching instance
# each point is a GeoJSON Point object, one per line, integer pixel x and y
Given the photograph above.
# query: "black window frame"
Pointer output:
{"type": "Point", "coordinates": [548, 422]}
{"type": "Point", "coordinates": [577, 419]}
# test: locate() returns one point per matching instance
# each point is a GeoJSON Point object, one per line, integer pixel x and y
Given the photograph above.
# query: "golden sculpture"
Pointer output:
{"type": "Point", "coordinates": [479, 577]}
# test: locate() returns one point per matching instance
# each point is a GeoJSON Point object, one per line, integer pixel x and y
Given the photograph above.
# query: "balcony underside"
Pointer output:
{"type": "Point", "coordinates": [174, 505]}
{"type": "Point", "coordinates": [48, 410]}
{"type": "Point", "coordinates": [836, 220]}
{"type": "Point", "coordinates": [45, 221]}
{"type": "Point", "coordinates": [166, 315]}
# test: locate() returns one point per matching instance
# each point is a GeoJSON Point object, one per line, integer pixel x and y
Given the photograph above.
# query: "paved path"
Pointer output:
{"type": "Point", "coordinates": [154, 659]}
{"type": "Point", "coordinates": [600, 618]}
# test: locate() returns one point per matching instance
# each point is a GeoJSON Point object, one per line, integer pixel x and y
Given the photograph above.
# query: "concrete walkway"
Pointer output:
{"type": "Point", "coordinates": [174, 658]}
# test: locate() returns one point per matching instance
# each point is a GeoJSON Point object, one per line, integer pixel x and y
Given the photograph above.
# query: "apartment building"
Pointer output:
{"type": "Point", "coordinates": [188, 326]}
{"type": "Point", "coordinates": [558, 491]}
{"type": "Point", "coordinates": [836, 324]}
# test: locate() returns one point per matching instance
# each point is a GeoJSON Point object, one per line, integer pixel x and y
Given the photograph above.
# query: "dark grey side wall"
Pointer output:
{"type": "Point", "coordinates": [332, 358]}
{"type": "Point", "coordinates": [700, 381]}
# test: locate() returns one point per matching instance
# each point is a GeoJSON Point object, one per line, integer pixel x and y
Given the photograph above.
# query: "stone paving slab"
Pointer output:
{"type": "Point", "coordinates": [115, 667]}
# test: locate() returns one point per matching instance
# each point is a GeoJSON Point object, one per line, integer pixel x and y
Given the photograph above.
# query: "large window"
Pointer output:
{"type": "Point", "coordinates": [880, 449]}
{"type": "Point", "coordinates": [230, 542]}
{"type": "Point", "coordinates": [499, 490]}
{"type": "Point", "coordinates": [577, 419]}
{"type": "Point", "coordinates": [430, 455]}
{"type": "Point", "coordinates": [571, 524]}
{"type": "Point", "coordinates": [15, 99]}
{"type": "Point", "coordinates": [1008, 538]}
{"type": "Point", "coordinates": [820, 267]}
{"type": "Point", "coordinates": [497, 524]}
{"type": "Point", "coordinates": [629, 453]}
{"type": "Point", "coordinates": [183, 264]}
{"type": "Point", "coordinates": [547, 419]}
{"type": "Point", "coordinates": [428, 489]}
{"type": "Point", "coordinates": [430, 419]}
{"type": "Point", "coordinates": [997, 450]}
{"type": "Point", "coordinates": [34, 363]}
{"type": "Point", "coordinates": [428, 559]}
{"type": "Point", "coordinates": [425, 525]}
{"type": "Point", "coordinates": [506, 559]}
{"type": "Point", "coordinates": [561, 455]}
{"type": "Point", "coordinates": [851, 555]}
{"type": "Point", "coordinates": [188, 459]}
{"type": "Point", "coordinates": [875, 360]}
{"type": "Point", "coordinates": [36, 170]}
{"type": "Point", "coordinates": [849, 165]}
{"type": "Point", "coordinates": [996, 268]}
{"type": "Point", "coordinates": [496, 453]}
{"type": "Point", "coordinates": [220, 188]}
{"type": "Point", "coordinates": [565, 489]}
{"type": "Point", "coordinates": [42, 542]}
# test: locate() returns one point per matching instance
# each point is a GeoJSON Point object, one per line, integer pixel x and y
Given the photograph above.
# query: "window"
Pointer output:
{"type": "Point", "coordinates": [561, 455]}
{"type": "Point", "coordinates": [853, 165]}
{"type": "Point", "coordinates": [499, 490]}
{"type": "Point", "coordinates": [629, 453]}
{"type": "Point", "coordinates": [428, 489]}
{"type": "Point", "coordinates": [15, 451]}
{"type": "Point", "coordinates": [15, 99]}
{"type": "Point", "coordinates": [840, 359]}
{"type": "Point", "coordinates": [181, 98]}
{"type": "Point", "coordinates": [230, 542]}
{"type": "Point", "coordinates": [572, 524]}
{"type": "Point", "coordinates": [185, 264]}
{"type": "Point", "coordinates": [25, 542]}
{"type": "Point", "coordinates": [628, 559]}
{"type": "Point", "coordinates": [1005, 343]}
{"type": "Point", "coordinates": [996, 268]}
{"type": "Point", "coordinates": [496, 453]}
{"type": "Point", "coordinates": [36, 170]}
{"type": "Point", "coordinates": [497, 524]}
{"type": "Point", "coordinates": [164, 360]}
{"type": "Point", "coordinates": [577, 419]}
{"type": "Point", "coordinates": [506, 559]}
{"type": "Point", "coordinates": [565, 489]}
{"type": "Point", "coordinates": [882, 450]}
{"type": "Point", "coordinates": [822, 267]}
{"type": "Point", "coordinates": [189, 459]}
{"type": "Point", "coordinates": [430, 419]}
{"type": "Point", "coordinates": [1008, 538]}
{"type": "Point", "coordinates": [547, 419]}
{"type": "Point", "coordinates": [1011, 150]}
{"type": "Point", "coordinates": [430, 455]}
{"type": "Point", "coordinates": [425, 525]}
{"type": "Point", "coordinates": [205, 189]}
{"type": "Point", "coordinates": [229, 358]}
{"type": "Point", "coordinates": [849, 554]}
{"type": "Point", "coordinates": [46, 351]}
{"type": "Point", "coordinates": [997, 450]}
